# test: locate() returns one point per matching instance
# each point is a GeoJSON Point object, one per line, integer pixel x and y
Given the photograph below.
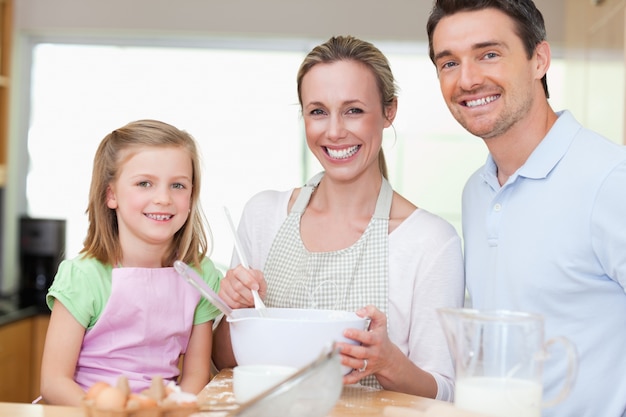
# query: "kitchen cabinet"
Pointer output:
{"type": "Point", "coordinates": [15, 361]}
{"type": "Point", "coordinates": [6, 31]}
{"type": "Point", "coordinates": [39, 330]}
{"type": "Point", "coordinates": [596, 64]}
{"type": "Point", "coordinates": [21, 346]}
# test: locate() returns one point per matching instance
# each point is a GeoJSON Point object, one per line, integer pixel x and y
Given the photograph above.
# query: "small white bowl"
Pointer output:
{"type": "Point", "coordinates": [251, 380]}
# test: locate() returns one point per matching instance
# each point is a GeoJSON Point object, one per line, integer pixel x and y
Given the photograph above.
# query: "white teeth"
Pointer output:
{"type": "Point", "coordinates": [480, 101]}
{"type": "Point", "coordinates": [342, 153]}
{"type": "Point", "coordinates": [159, 216]}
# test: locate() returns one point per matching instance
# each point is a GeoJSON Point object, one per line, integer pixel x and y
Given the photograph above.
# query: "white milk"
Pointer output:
{"type": "Point", "coordinates": [499, 397]}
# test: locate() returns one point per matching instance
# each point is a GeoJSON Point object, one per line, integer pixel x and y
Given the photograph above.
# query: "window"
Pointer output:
{"type": "Point", "coordinates": [241, 106]}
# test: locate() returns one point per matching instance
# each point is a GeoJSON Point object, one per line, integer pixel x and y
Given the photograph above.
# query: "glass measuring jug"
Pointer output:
{"type": "Point", "coordinates": [499, 357]}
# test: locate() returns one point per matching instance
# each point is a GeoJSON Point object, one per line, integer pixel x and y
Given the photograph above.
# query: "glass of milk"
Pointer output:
{"type": "Point", "coordinates": [499, 358]}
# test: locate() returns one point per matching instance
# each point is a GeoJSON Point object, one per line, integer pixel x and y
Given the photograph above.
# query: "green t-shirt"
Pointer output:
{"type": "Point", "coordinates": [83, 285]}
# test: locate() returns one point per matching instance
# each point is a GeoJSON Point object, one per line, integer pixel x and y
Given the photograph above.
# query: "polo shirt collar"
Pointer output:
{"type": "Point", "coordinates": [545, 157]}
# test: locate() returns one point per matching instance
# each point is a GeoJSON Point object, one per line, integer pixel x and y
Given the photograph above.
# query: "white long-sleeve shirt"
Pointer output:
{"type": "Point", "coordinates": [425, 273]}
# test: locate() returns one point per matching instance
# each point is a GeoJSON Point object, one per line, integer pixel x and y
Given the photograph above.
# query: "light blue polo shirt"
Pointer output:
{"type": "Point", "coordinates": [552, 240]}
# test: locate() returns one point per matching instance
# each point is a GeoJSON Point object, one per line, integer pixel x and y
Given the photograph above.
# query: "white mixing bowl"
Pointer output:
{"type": "Point", "coordinates": [288, 336]}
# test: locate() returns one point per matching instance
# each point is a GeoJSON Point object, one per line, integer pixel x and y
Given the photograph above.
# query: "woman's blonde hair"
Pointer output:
{"type": "Point", "coordinates": [102, 242]}
{"type": "Point", "coordinates": [340, 48]}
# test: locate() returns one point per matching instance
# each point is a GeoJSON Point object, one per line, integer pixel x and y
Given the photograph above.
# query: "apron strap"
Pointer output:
{"type": "Point", "coordinates": [305, 193]}
{"type": "Point", "coordinates": [383, 203]}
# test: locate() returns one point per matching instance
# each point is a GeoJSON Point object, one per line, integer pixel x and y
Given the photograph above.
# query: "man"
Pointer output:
{"type": "Point", "coordinates": [544, 220]}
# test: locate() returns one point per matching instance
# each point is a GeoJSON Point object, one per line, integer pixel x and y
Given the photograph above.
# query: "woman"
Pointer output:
{"type": "Point", "coordinates": [347, 241]}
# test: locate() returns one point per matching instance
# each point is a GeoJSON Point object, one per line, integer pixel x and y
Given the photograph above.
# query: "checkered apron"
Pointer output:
{"type": "Point", "coordinates": [346, 279]}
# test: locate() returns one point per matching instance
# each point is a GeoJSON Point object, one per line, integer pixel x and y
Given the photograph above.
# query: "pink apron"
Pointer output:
{"type": "Point", "coordinates": [144, 328]}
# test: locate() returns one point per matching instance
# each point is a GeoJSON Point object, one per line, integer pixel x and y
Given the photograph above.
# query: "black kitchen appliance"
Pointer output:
{"type": "Point", "coordinates": [42, 248]}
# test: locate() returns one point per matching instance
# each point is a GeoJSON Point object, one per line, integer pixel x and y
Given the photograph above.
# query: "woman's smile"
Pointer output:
{"type": "Point", "coordinates": [342, 153]}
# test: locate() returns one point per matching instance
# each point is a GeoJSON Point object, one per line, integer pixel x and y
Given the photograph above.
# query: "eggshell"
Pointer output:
{"type": "Point", "coordinates": [110, 398]}
{"type": "Point", "coordinates": [136, 401]}
{"type": "Point", "coordinates": [156, 390]}
{"type": "Point", "coordinates": [181, 398]}
{"type": "Point", "coordinates": [122, 385]}
{"type": "Point", "coordinates": [95, 389]}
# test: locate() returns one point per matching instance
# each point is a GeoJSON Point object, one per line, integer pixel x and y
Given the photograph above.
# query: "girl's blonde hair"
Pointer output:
{"type": "Point", "coordinates": [344, 48]}
{"type": "Point", "coordinates": [102, 242]}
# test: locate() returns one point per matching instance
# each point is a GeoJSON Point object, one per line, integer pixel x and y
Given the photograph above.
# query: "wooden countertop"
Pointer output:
{"type": "Point", "coordinates": [356, 400]}
{"type": "Point", "coordinates": [217, 400]}
{"type": "Point", "coordinates": [37, 410]}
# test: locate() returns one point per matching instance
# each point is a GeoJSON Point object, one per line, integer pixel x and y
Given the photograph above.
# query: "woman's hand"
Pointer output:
{"type": "Point", "coordinates": [237, 285]}
{"type": "Point", "coordinates": [375, 351]}
{"type": "Point", "coordinates": [378, 355]}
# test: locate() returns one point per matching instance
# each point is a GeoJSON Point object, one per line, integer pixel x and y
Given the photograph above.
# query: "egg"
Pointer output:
{"type": "Point", "coordinates": [156, 390]}
{"type": "Point", "coordinates": [136, 401]}
{"type": "Point", "coordinates": [95, 389]}
{"type": "Point", "coordinates": [110, 398]}
{"type": "Point", "coordinates": [123, 385]}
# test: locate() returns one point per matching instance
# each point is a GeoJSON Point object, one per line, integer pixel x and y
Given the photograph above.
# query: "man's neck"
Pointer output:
{"type": "Point", "coordinates": [511, 150]}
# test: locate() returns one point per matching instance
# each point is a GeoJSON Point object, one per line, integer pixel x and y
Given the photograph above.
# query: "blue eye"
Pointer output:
{"type": "Point", "coordinates": [355, 110]}
{"type": "Point", "coordinates": [178, 186]}
{"type": "Point", "coordinates": [448, 64]}
{"type": "Point", "coordinates": [316, 112]}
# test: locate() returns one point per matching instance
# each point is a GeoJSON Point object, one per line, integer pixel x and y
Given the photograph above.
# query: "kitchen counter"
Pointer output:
{"type": "Point", "coordinates": [16, 314]}
{"type": "Point", "coordinates": [38, 410]}
{"type": "Point", "coordinates": [10, 311]}
{"type": "Point", "coordinates": [356, 400]}
{"type": "Point", "coordinates": [217, 400]}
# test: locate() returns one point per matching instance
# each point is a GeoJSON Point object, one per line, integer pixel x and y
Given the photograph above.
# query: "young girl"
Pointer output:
{"type": "Point", "coordinates": [120, 308]}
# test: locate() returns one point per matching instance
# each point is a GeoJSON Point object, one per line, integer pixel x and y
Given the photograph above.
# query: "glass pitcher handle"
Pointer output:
{"type": "Point", "coordinates": [572, 369]}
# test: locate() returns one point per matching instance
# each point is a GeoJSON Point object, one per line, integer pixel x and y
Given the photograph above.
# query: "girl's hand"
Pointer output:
{"type": "Point", "coordinates": [375, 350]}
{"type": "Point", "coordinates": [237, 285]}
